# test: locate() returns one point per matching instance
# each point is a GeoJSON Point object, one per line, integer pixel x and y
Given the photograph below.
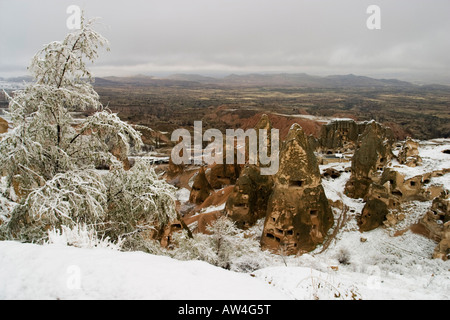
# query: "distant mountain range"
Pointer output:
{"type": "Point", "coordinates": [258, 80]}
{"type": "Point", "coordinates": [248, 80]}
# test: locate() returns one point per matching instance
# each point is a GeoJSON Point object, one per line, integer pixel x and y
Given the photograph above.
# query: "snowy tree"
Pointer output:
{"type": "Point", "coordinates": [49, 158]}
{"type": "Point", "coordinates": [222, 247]}
{"type": "Point", "coordinates": [131, 196]}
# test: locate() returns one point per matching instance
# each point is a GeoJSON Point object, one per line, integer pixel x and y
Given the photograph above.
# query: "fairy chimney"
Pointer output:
{"type": "Point", "coordinates": [298, 214]}
{"type": "Point", "coordinates": [248, 201]}
{"type": "Point", "coordinates": [372, 154]}
{"type": "Point", "coordinates": [176, 169]}
{"type": "Point", "coordinates": [201, 189]}
{"type": "Point", "coordinates": [265, 125]}
{"type": "Point", "coordinates": [224, 174]}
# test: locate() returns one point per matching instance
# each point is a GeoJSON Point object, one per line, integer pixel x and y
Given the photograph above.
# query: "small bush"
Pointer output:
{"type": "Point", "coordinates": [343, 257]}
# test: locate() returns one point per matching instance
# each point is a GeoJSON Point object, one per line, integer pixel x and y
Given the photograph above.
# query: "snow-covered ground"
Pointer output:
{"type": "Point", "coordinates": [379, 268]}
{"type": "Point", "coordinates": [29, 271]}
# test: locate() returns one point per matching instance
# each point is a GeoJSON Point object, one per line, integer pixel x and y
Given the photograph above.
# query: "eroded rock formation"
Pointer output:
{"type": "Point", "coordinates": [436, 225]}
{"type": "Point", "coordinates": [409, 153]}
{"type": "Point", "coordinates": [442, 250]}
{"type": "Point", "coordinates": [248, 201]}
{"type": "Point", "coordinates": [372, 154]}
{"type": "Point", "coordinates": [298, 214]}
{"type": "Point", "coordinates": [224, 174]}
{"type": "Point", "coordinates": [3, 125]}
{"type": "Point", "coordinates": [340, 135]}
{"type": "Point", "coordinates": [201, 189]}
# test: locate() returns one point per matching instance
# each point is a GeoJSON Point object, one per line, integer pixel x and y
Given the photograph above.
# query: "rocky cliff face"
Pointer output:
{"type": "Point", "coordinates": [340, 135]}
{"type": "Point", "coordinates": [298, 214]}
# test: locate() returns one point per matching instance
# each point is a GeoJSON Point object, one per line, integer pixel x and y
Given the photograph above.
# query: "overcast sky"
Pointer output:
{"type": "Point", "coordinates": [319, 37]}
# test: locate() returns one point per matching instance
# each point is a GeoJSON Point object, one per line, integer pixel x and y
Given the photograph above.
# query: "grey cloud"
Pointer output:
{"type": "Point", "coordinates": [318, 37]}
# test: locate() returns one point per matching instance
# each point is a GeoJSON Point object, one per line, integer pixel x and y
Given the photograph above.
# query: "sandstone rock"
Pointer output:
{"type": "Point", "coordinates": [412, 189]}
{"type": "Point", "coordinates": [121, 153]}
{"type": "Point", "coordinates": [331, 173]}
{"type": "Point", "coordinates": [340, 135]}
{"type": "Point", "coordinates": [409, 153]}
{"type": "Point", "coordinates": [222, 175]}
{"type": "Point", "coordinates": [168, 232]}
{"type": "Point", "coordinates": [373, 215]}
{"type": "Point", "coordinates": [3, 125]}
{"type": "Point", "coordinates": [391, 219]}
{"type": "Point", "coordinates": [437, 216]}
{"type": "Point", "coordinates": [372, 154]}
{"type": "Point", "coordinates": [248, 201]}
{"type": "Point", "coordinates": [216, 199]}
{"type": "Point", "coordinates": [442, 250]}
{"type": "Point", "coordinates": [200, 221]}
{"type": "Point", "coordinates": [174, 169]}
{"type": "Point", "coordinates": [201, 189]}
{"type": "Point", "coordinates": [436, 225]}
{"type": "Point", "coordinates": [264, 124]}
{"type": "Point", "coordinates": [298, 214]}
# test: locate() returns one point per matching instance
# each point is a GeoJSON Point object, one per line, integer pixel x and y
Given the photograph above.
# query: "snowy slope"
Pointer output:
{"type": "Point", "coordinates": [382, 267]}
{"type": "Point", "coordinates": [29, 271]}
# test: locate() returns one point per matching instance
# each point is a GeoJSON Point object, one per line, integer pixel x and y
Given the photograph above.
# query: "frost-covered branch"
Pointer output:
{"type": "Point", "coordinates": [49, 158]}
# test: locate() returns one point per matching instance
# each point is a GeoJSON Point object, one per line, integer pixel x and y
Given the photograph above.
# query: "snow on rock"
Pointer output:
{"type": "Point", "coordinates": [213, 208]}
{"type": "Point", "coordinates": [29, 271]}
{"type": "Point", "coordinates": [182, 195]}
{"type": "Point", "coordinates": [442, 181]}
{"type": "Point", "coordinates": [433, 159]}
